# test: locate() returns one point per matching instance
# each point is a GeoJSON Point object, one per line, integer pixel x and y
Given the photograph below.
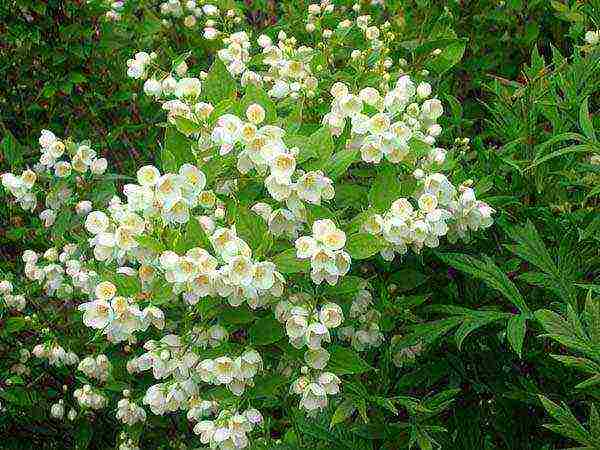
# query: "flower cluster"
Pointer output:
{"type": "Point", "coordinates": [366, 333]}
{"type": "Point", "coordinates": [397, 119]}
{"type": "Point", "coordinates": [314, 391]}
{"type": "Point", "coordinates": [193, 11]}
{"type": "Point", "coordinates": [235, 55]}
{"type": "Point", "coordinates": [233, 274]}
{"type": "Point", "coordinates": [51, 164]}
{"type": "Point", "coordinates": [55, 354]}
{"type": "Point", "coordinates": [138, 65]}
{"type": "Point", "coordinates": [236, 374]}
{"type": "Point", "coordinates": [12, 301]}
{"type": "Point", "coordinates": [592, 37]}
{"type": "Point", "coordinates": [130, 413]}
{"type": "Point", "coordinates": [288, 67]}
{"type": "Point", "coordinates": [307, 325]}
{"type": "Point", "coordinates": [264, 149]}
{"type": "Point", "coordinates": [20, 187]}
{"type": "Point", "coordinates": [115, 9]}
{"type": "Point", "coordinates": [325, 249]}
{"type": "Point", "coordinates": [179, 240]}
{"type": "Point", "coordinates": [97, 368]}
{"type": "Point", "coordinates": [229, 429]}
{"type": "Point", "coordinates": [60, 274]}
{"type": "Point", "coordinates": [116, 316]}
{"type": "Point", "coordinates": [440, 210]}
{"type": "Point", "coordinates": [170, 196]}
{"type": "Point", "coordinates": [88, 397]}
{"type": "Point", "coordinates": [282, 222]}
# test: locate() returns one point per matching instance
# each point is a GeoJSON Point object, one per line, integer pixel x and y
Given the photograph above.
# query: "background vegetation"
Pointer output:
{"type": "Point", "coordinates": [524, 91]}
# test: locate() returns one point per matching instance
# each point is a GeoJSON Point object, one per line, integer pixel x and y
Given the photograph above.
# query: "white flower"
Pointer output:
{"type": "Point", "coordinates": [98, 166]}
{"type": "Point", "coordinates": [432, 109]}
{"type": "Point", "coordinates": [96, 222]}
{"type": "Point", "coordinates": [105, 291]}
{"type": "Point", "coordinates": [255, 113]}
{"type": "Point", "coordinates": [331, 315]}
{"type": "Point", "coordinates": [153, 87]}
{"type": "Point", "coordinates": [592, 37]}
{"type": "Point", "coordinates": [96, 314]}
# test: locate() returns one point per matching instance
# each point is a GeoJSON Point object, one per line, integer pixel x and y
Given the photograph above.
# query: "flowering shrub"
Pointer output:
{"type": "Point", "coordinates": [235, 275]}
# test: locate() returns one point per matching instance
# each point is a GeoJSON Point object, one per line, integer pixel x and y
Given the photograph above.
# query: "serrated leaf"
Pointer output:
{"type": "Point", "coordinates": [364, 245]}
{"type": "Point", "coordinates": [427, 333]}
{"type": "Point", "coordinates": [237, 315]}
{"type": "Point", "coordinates": [321, 143]}
{"type": "Point", "coordinates": [472, 323]}
{"type": "Point", "coordinates": [219, 84]}
{"type": "Point", "coordinates": [563, 331]}
{"type": "Point", "coordinates": [287, 262]}
{"type": "Point", "coordinates": [252, 229]}
{"type": "Point", "coordinates": [177, 150]}
{"type": "Point", "coordinates": [266, 330]}
{"type": "Point", "coordinates": [569, 425]}
{"type": "Point", "coordinates": [342, 412]}
{"type": "Point", "coordinates": [341, 161]}
{"type": "Point", "coordinates": [515, 332]}
{"type": "Point", "coordinates": [193, 236]}
{"type": "Point", "coordinates": [585, 122]}
{"type": "Point", "coordinates": [385, 189]}
{"type": "Point", "coordinates": [343, 361]}
{"type": "Point", "coordinates": [187, 126]}
{"type": "Point", "coordinates": [485, 269]}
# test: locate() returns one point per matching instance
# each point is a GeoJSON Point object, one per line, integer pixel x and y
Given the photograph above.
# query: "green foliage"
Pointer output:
{"type": "Point", "coordinates": [496, 343]}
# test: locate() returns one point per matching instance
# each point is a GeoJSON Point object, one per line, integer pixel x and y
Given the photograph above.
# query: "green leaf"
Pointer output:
{"type": "Point", "coordinates": [150, 243]}
{"type": "Point", "coordinates": [193, 236]}
{"type": "Point", "coordinates": [531, 247]}
{"type": "Point", "coordinates": [348, 286]}
{"type": "Point", "coordinates": [341, 161]}
{"type": "Point", "coordinates": [177, 150]}
{"type": "Point", "coordinates": [485, 269]}
{"type": "Point", "coordinates": [592, 230]}
{"type": "Point", "coordinates": [407, 279]}
{"type": "Point", "coordinates": [565, 332]}
{"type": "Point", "coordinates": [252, 229]}
{"type": "Point", "coordinates": [10, 150]}
{"type": "Point", "coordinates": [14, 324]}
{"type": "Point", "coordinates": [473, 322]}
{"type": "Point", "coordinates": [364, 245]}
{"type": "Point", "coordinates": [585, 122]}
{"type": "Point", "coordinates": [515, 332]}
{"type": "Point", "coordinates": [385, 189]}
{"type": "Point", "coordinates": [427, 333]}
{"type": "Point", "coordinates": [342, 412]}
{"type": "Point", "coordinates": [321, 143]}
{"type": "Point", "coordinates": [237, 315]}
{"type": "Point", "coordinates": [343, 361]}
{"type": "Point", "coordinates": [219, 84]}
{"type": "Point", "coordinates": [567, 425]}
{"type": "Point", "coordinates": [266, 330]}
{"type": "Point", "coordinates": [267, 386]}
{"type": "Point", "coordinates": [186, 126]}
{"type": "Point", "coordinates": [451, 54]}
{"type": "Point", "coordinates": [288, 263]}
{"type": "Point", "coordinates": [583, 148]}
{"type": "Point", "coordinates": [582, 364]}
